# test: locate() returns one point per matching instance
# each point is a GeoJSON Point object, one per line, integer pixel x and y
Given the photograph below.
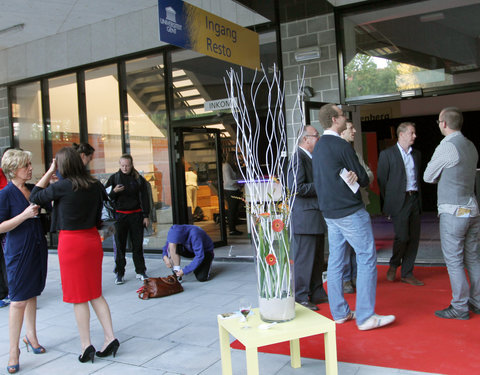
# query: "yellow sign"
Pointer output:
{"type": "Point", "coordinates": [207, 33]}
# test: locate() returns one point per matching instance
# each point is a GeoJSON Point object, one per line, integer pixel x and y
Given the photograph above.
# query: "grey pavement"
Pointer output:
{"type": "Point", "coordinates": [165, 336]}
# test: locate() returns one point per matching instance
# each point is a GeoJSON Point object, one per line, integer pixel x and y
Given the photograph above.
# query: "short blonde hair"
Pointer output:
{"type": "Point", "coordinates": [14, 159]}
{"type": "Point", "coordinates": [403, 127]}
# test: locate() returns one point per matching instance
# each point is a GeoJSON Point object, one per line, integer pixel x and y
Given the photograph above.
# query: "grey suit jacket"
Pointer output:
{"type": "Point", "coordinates": [306, 215]}
{"type": "Point", "coordinates": [392, 178]}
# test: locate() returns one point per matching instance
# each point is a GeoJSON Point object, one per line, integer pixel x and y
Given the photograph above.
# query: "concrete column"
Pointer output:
{"type": "Point", "coordinates": [4, 120]}
{"type": "Point", "coordinates": [321, 74]}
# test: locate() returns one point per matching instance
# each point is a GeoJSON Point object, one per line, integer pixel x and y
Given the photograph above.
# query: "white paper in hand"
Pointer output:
{"type": "Point", "coordinates": [354, 187]}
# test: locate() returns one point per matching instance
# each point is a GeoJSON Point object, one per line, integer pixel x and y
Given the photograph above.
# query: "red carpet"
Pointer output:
{"type": "Point", "coordinates": [383, 244]}
{"type": "Point", "coordinates": [417, 340]}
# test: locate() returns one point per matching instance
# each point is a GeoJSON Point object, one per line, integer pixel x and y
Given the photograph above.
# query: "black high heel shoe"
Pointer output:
{"type": "Point", "coordinates": [88, 354]}
{"type": "Point", "coordinates": [110, 349]}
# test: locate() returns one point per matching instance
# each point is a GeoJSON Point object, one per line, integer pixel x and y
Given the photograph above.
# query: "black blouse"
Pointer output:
{"type": "Point", "coordinates": [72, 210]}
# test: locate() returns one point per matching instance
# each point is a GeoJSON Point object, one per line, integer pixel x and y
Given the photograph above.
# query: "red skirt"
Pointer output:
{"type": "Point", "coordinates": [80, 255]}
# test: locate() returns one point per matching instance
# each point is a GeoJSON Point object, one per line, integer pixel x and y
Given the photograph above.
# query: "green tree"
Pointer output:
{"type": "Point", "coordinates": [363, 77]}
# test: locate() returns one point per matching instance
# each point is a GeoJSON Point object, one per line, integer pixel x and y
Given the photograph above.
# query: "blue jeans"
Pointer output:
{"type": "Point", "coordinates": [357, 230]}
{"type": "Point", "coordinates": [350, 270]}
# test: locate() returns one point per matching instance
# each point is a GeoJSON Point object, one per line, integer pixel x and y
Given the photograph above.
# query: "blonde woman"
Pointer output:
{"type": "Point", "coordinates": [25, 252]}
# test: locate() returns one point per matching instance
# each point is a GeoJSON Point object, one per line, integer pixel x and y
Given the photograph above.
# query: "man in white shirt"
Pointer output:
{"type": "Point", "coordinates": [398, 176]}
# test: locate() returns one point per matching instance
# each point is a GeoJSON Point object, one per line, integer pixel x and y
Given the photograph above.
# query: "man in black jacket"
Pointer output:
{"type": "Point", "coordinates": [132, 205]}
{"type": "Point", "coordinates": [398, 175]}
{"type": "Point", "coordinates": [308, 225]}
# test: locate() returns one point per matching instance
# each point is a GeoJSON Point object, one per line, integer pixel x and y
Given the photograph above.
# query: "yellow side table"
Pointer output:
{"type": "Point", "coordinates": [306, 323]}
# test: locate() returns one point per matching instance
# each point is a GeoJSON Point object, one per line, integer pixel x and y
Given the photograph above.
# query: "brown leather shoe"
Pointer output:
{"type": "Point", "coordinates": [412, 280]}
{"type": "Point", "coordinates": [391, 273]}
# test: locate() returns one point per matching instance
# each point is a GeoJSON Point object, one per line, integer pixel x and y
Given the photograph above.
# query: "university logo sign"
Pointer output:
{"type": "Point", "coordinates": [171, 30]}
{"type": "Point", "coordinates": [189, 27]}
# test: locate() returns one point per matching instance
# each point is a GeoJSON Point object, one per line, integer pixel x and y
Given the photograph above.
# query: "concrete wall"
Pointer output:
{"type": "Point", "coordinates": [4, 121]}
{"type": "Point", "coordinates": [119, 36]}
{"type": "Point", "coordinates": [321, 74]}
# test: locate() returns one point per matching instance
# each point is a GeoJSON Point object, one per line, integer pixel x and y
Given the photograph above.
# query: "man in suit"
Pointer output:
{"type": "Point", "coordinates": [453, 167]}
{"type": "Point", "coordinates": [307, 225]}
{"type": "Point", "coordinates": [398, 177]}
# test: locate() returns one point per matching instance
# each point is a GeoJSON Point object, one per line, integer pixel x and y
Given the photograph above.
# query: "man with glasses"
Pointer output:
{"type": "Point", "coordinates": [308, 225]}
{"type": "Point", "coordinates": [453, 167]}
{"type": "Point", "coordinates": [398, 176]}
{"type": "Point", "coordinates": [350, 272]}
{"type": "Point", "coordinates": [336, 170]}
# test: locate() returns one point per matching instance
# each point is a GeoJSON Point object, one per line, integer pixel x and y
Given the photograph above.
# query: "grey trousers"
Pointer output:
{"type": "Point", "coordinates": [459, 238]}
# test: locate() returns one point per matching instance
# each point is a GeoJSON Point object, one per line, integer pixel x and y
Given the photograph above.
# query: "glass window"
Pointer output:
{"type": "Point", "coordinates": [426, 45]}
{"type": "Point", "coordinates": [28, 124]}
{"type": "Point", "coordinates": [197, 78]}
{"type": "Point", "coordinates": [63, 98]}
{"type": "Point", "coordinates": [103, 119]}
{"type": "Point", "coordinates": [147, 142]}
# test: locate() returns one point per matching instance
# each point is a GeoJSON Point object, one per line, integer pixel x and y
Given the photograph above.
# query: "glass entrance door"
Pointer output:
{"type": "Point", "coordinates": [199, 176]}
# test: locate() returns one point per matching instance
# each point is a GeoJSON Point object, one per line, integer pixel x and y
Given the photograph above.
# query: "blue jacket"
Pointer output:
{"type": "Point", "coordinates": [193, 239]}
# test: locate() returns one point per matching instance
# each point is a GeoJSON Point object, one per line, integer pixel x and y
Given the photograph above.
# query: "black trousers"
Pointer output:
{"type": "Point", "coordinates": [308, 252]}
{"type": "Point", "coordinates": [3, 271]}
{"type": "Point", "coordinates": [202, 272]}
{"type": "Point", "coordinates": [407, 235]}
{"type": "Point", "coordinates": [129, 224]}
{"type": "Point", "coordinates": [233, 207]}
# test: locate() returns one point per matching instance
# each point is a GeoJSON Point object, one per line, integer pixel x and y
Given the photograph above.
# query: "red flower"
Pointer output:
{"type": "Point", "coordinates": [271, 260]}
{"type": "Point", "coordinates": [265, 214]}
{"type": "Point", "coordinates": [277, 225]}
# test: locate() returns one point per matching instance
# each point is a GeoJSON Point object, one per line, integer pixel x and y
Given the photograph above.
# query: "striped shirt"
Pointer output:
{"type": "Point", "coordinates": [446, 156]}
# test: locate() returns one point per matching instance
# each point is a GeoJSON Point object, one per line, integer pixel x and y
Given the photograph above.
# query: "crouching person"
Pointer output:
{"type": "Point", "coordinates": [189, 241]}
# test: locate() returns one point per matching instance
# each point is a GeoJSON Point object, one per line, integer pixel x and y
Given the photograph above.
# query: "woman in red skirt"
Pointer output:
{"type": "Point", "coordinates": [78, 202]}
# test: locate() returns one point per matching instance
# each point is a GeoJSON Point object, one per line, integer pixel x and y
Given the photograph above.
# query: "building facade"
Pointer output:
{"type": "Point", "coordinates": [104, 77]}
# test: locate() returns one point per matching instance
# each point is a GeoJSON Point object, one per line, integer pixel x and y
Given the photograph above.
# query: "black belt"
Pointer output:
{"type": "Point", "coordinates": [411, 192]}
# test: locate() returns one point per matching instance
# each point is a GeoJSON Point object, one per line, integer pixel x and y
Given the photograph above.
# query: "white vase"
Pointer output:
{"type": "Point", "coordinates": [277, 309]}
{"type": "Point", "coordinates": [274, 271]}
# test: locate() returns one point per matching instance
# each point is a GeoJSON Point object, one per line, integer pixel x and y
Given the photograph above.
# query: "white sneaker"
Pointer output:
{"type": "Point", "coordinates": [376, 321]}
{"type": "Point", "coordinates": [142, 276]}
{"type": "Point", "coordinates": [350, 316]}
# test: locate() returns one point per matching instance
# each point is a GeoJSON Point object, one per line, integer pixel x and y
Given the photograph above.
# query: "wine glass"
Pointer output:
{"type": "Point", "coordinates": [245, 307]}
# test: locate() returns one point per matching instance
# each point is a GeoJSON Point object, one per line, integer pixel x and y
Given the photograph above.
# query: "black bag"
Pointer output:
{"type": "Point", "coordinates": [108, 211]}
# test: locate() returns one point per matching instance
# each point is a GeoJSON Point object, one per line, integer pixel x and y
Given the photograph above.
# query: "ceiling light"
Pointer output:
{"type": "Point", "coordinates": [215, 126]}
{"type": "Point", "coordinates": [183, 83]}
{"type": "Point", "coordinates": [178, 73]}
{"type": "Point", "coordinates": [187, 93]}
{"type": "Point", "coordinates": [194, 102]}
